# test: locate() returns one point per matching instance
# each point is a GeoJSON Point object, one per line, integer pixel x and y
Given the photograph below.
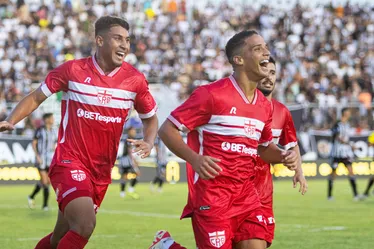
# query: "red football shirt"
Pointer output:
{"type": "Point", "coordinates": [94, 109]}
{"type": "Point", "coordinates": [284, 134]}
{"type": "Point", "coordinates": [222, 123]}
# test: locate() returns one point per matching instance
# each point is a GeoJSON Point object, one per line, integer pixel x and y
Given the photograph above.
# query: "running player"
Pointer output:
{"type": "Point", "coordinates": [127, 166]}
{"type": "Point", "coordinates": [99, 92]}
{"type": "Point", "coordinates": [228, 124]}
{"type": "Point", "coordinates": [43, 144]}
{"type": "Point", "coordinates": [341, 152]}
{"type": "Point", "coordinates": [284, 134]}
{"type": "Point", "coordinates": [161, 162]}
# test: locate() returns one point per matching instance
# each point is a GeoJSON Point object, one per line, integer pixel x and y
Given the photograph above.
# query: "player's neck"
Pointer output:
{"type": "Point", "coordinates": [48, 127]}
{"type": "Point", "coordinates": [107, 69]}
{"type": "Point", "coordinates": [248, 86]}
{"type": "Point", "coordinates": [269, 97]}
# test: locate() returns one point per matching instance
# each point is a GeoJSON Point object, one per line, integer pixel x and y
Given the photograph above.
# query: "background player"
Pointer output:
{"type": "Point", "coordinates": [128, 165]}
{"type": "Point", "coordinates": [341, 152]}
{"type": "Point", "coordinates": [284, 134]}
{"type": "Point", "coordinates": [161, 162]}
{"type": "Point", "coordinates": [231, 120]}
{"type": "Point", "coordinates": [371, 179]}
{"type": "Point", "coordinates": [43, 144]}
{"type": "Point", "coordinates": [99, 92]}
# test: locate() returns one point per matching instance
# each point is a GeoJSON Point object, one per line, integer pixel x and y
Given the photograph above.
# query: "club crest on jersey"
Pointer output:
{"type": "Point", "coordinates": [249, 128]}
{"type": "Point", "coordinates": [78, 175]}
{"type": "Point", "coordinates": [217, 239]}
{"type": "Point", "coordinates": [104, 96]}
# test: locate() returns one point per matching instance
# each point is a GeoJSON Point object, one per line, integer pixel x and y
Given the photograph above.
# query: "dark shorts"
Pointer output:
{"type": "Point", "coordinates": [161, 170]}
{"type": "Point", "coordinates": [344, 160]}
{"type": "Point", "coordinates": [126, 170]}
{"type": "Point", "coordinates": [41, 167]}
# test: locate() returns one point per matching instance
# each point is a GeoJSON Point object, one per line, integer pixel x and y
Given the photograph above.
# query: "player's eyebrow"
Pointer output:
{"type": "Point", "coordinates": [259, 45]}
{"type": "Point", "coordinates": [120, 36]}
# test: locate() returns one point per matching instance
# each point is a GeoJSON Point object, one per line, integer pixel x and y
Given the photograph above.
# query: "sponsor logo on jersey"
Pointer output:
{"type": "Point", "coordinates": [97, 116]}
{"type": "Point", "coordinates": [104, 96]}
{"type": "Point", "coordinates": [78, 175]}
{"type": "Point", "coordinates": [241, 148]}
{"type": "Point", "coordinates": [249, 128]}
{"type": "Point", "coordinates": [217, 239]}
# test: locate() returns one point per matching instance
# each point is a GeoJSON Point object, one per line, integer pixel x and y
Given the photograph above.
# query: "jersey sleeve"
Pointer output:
{"type": "Point", "coordinates": [288, 138]}
{"type": "Point", "coordinates": [145, 104]}
{"type": "Point", "coordinates": [266, 134]}
{"type": "Point", "coordinates": [194, 112]}
{"type": "Point", "coordinates": [57, 79]}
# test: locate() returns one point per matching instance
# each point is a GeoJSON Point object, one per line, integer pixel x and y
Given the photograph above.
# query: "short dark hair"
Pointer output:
{"type": "Point", "coordinates": [104, 23]}
{"type": "Point", "coordinates": [344, 110]}
{"type": "Point", "coordinates": [271, 60]}
{"type": "Point", "coordinates": [235, 44]}
{"type": "Point", "coordinates": [47, 115]}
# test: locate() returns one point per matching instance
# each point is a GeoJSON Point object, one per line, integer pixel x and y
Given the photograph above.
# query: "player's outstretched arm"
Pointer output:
{"type": "Point", "coordinates": [144, 147]}
{"type": "Point", "coordinates": [26, 106]}
{"type": "Point", "coordinates": [205, 166]}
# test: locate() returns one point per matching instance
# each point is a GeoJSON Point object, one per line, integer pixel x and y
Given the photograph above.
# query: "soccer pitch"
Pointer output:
{"type": "Point", "coordinates": [303, 222]}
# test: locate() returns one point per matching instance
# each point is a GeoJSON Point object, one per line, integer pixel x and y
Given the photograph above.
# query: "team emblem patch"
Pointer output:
{"type": "Point", "coordinates": [249, 128]}
{"type": "Point", "coordinates": [78, 175]}
{"type": "Point", "coordinates": [104, 96]}
{"type": "Point", "coordinates": [217, 239]}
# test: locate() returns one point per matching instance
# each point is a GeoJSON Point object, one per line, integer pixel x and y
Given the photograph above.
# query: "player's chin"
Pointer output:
{"type": "Point", "coordinates": [117, 61]}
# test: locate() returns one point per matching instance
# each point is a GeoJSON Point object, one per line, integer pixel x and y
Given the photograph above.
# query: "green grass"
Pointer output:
{"type": "Point", "coordinates": [303, 222]}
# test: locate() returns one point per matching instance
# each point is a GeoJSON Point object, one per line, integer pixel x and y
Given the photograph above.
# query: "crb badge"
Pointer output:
{"type": "Point", "coordinates": [249, 128]}
{"type": "Point", "coordinates": [217, 239]}
{"type": "Point", "coordinates": [104, 96]}
{"type": "Point", "coordinates": [78, 175]}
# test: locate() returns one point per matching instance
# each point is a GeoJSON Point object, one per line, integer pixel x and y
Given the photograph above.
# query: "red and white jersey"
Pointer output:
{"type": "Point", "coordinates": [94, 109]}
{"type": "Point", "coordinates": [284, 134]}
{"type": "Point", "coordinates": [222, 123]}
{"type": "Point", "coordinates": [283, 128]}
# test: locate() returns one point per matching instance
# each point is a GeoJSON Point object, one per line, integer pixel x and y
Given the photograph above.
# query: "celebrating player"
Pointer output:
{"type": "Point", "coordinates": [229, 124]}
{"type": "Point", "coordinates": [284, 134]}
{"type": "Point", "coordinates": [341, 152]}
{"type": "Point", "coordinates": [43, 144]}
{"type": "Point", "coordinates": [99, 92]}
{"type": "Point", "coordinates": [127, 165]}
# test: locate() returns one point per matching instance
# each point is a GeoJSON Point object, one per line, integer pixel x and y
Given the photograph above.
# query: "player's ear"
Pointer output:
{"type": "Point", "coordinates": [238, 60]}
{"type": "Point", "coordinates": [99, 40]}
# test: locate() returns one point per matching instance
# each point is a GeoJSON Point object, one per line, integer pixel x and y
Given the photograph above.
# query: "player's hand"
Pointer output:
{"type": "Point", "coordinates": [290, 159]}
{"type": "Point", "coordinates": [299, 178]}
{"type": "Point", "coordinates": [206, 167]}
{"type": "Point", "coordinates": [6, 126]}
{"type": "Point", "coordinates": [142, 148]}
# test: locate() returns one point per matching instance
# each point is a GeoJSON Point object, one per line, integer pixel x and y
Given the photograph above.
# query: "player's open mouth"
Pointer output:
{"type": "Point", "coordinates": [264, 63]}
{"type": "Point", "coordinates": [121, 55]}
{"type": "Point", "coordinates": [267, 84]}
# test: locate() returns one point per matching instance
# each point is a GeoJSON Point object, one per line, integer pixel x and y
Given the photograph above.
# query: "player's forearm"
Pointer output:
{"type": "Point", "coordinates": [34, 143]}
{"type": "Point", "coordinates": [150, 126]}
{"type": "Point", "coordinates": [270, 154]}
{"type": "Point", "coordinates": [26, 106]}
{"type": "Point", "coordinates": [299, 169]}
{"type": "Point", "coordinates": [173, 140]}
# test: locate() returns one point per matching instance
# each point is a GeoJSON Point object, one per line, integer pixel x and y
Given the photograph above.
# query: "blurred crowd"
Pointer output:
{"type": "Point", "coordinates": [324, 54]}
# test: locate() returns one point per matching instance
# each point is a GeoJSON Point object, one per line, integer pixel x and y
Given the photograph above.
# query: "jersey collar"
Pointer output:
{"type": "Point", "coordinates": [98, 68]}
{"type": "Point", "coordinates": [241, 93]}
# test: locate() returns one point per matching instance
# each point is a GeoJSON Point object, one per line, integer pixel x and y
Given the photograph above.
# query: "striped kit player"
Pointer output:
{"type": "Point", "coordinates": [342, 152]}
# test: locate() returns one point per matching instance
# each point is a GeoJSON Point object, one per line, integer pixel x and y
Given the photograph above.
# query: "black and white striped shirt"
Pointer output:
{"type": "Point", "coordinates": [341, 149]}
{"type": "Point", "coordinates": [46, 143]}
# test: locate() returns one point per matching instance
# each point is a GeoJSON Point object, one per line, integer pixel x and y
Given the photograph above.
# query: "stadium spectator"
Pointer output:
{"type": "Point", "coordinates": [325, 65]}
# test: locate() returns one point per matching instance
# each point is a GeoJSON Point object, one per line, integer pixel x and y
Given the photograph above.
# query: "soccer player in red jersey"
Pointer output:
{"type": "Point", "coordinates": [284, 134]}
{"type": "Point", "coordinates": [98, 94]}
{"type": "Point", "coordinates": [228, 124]}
